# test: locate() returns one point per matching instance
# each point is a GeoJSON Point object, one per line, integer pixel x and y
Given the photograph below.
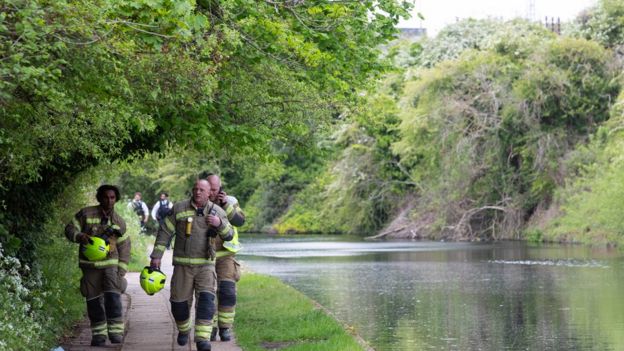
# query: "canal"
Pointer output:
{"type": "Point", "coordinates": [420, 295]}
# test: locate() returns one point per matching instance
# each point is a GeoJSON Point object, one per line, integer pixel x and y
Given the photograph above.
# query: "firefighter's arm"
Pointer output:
{"type": "Point", "coordinates": [73, 230]}
{"type": "Point", "coordinates": [235, 214]}
{"type": "Point", "coordinates": [165, 232]}
{"type": "Point", "coordinates": [225, 229]}
{"type": "Point", "coordinates": [123, 248]}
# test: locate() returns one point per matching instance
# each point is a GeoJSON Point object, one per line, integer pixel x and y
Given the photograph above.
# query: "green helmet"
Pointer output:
{"type": "Point", "coordinates": [152, 280]}
{"type": "Point", "coordinates": [96, 250]}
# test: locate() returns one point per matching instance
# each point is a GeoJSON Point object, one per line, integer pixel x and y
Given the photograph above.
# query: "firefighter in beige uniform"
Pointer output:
{"type": "Point", "coordinates": [195, 223]}
{"type": "Point", "coordinates": [228, 269]}
{"type": "Point", "coordinates": [105, 277]}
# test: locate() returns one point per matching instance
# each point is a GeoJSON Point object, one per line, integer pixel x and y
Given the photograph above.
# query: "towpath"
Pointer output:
{"type": "Point", "coordinates": [149, 324]}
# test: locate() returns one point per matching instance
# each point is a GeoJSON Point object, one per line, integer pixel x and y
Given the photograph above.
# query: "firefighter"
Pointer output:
{"type": "Point", "coordinates": [103, 258]}
{"type": "Point", "coordinates": [227, 268]}
{"type": "Point", "coordinates": [196, 223]}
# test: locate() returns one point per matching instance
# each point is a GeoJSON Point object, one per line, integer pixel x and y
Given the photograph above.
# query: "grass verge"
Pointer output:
{"type": "Point", "coordinates": [271, 315]}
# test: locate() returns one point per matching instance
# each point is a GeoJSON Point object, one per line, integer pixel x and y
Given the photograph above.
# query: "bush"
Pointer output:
{"type": "Point", "coordinates": [601, 23]}
{"type": "Point", "coordinates": [485, 135]}
{"type": "Point", "coordinates": [21, 326]}
{"type": "Point", "coordinates": [590, 206]}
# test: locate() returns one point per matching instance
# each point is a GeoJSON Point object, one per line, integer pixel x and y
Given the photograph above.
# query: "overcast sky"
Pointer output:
{"type": "Point", "coordinates": [439, 13]}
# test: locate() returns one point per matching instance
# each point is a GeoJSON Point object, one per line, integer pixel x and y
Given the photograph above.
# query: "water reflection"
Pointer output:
{"type": "Point", "coordinates": [456, 296]}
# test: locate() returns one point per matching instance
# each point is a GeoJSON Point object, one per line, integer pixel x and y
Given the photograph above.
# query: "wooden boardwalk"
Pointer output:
{"type": "Point", "coordinates": [149, 323]}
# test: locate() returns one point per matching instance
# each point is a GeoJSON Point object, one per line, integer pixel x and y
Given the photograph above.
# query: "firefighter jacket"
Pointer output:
{"type": "Point", "coordinates": [194, 238]}
{"type": "Point", "coordinates": [237, 219]}
{"type": "Point", "coordinates": [93, 221]}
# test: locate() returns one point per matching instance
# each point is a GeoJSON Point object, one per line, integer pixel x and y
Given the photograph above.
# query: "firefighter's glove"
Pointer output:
{"type": "Point", "coordinates": [83, 238]}
{"type": "Point", "coordinates": [113, 232]}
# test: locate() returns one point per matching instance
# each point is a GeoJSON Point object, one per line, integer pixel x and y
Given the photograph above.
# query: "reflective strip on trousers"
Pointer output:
{"type": "Point", "coordinates": [116, 328]}
{"type": "Point", "coordinates": [226, 318]}
{"type": "Point", "coordinates": [99, 329]}
{"type": "Point", "coordinates": [203, 332]}
{"type": "Point", "coordinates": [184, 326]}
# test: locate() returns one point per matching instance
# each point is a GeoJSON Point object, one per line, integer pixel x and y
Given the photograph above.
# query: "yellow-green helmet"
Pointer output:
{"type": "Point", "coordinates": [96, 250]}
{"type": "Point", "coordinates": [152, 280]}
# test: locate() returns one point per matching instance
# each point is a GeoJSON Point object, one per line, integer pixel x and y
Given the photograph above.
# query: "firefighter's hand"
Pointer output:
{"type": "Point", "coordinates": [155, 262]}
{"type": "Point", "coordinates": [213, 220]}
{"type": "Point", "coordinates": [113, 232]}
{"type": "Point", "coordinates": [83, 238]}
{"type": "Point", "coordinates": [222, 198]}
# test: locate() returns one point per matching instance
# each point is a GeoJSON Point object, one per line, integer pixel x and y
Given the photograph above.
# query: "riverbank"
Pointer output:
{"type": "Point", "coordinates": [272, 315]}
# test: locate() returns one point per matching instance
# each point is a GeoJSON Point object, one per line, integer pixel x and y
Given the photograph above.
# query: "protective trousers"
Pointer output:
{"type": "Point", "coordinates": [186, 282]}
{"type": "Point", "coordinates": [101, 289]}
{"type": "Point", "coordinates": [228, 274]}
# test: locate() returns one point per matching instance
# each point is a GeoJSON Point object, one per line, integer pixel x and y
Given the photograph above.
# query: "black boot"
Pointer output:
{"type": "Point", "coordinates": [115, 338]}
{"type": "Point", "coordinates": [213, 334]}
{"type": "Point", "coordinates": [98, 340]}
{"type": "Point", "coordinates": [182, 338]}
{"type": "Point", "coordinates": [224, 334]}
{"type": "Point", "coordinates": [203, 345]}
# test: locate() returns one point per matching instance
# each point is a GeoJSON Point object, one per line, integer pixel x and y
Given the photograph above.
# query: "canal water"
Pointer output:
{"type": "Point", "coordinates": [419, 295]}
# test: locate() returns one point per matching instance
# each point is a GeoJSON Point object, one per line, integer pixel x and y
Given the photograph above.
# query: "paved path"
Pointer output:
{"type": "Point", "coordinates": [149, 323]}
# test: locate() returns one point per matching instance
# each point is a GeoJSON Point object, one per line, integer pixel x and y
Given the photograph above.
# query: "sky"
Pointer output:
{"type": "Point", "coordinates": [439, 13]}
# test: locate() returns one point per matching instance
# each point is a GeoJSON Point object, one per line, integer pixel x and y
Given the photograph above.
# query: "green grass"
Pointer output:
{"type": "Point", "coordinates": [139, 242]}
{"type": "Point", "coordinates": [272, 315]}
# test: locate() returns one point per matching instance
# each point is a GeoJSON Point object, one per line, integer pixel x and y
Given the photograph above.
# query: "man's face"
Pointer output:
{"type": "Point", "coordinates": [215, 185]}
{"type": "Point", "coordinates": [137, 197]}
{"type": "Point", "coordinates": [201, 192]}
{"type": "Point", "coordinates": [108, 200]}
{"type": "Point", "coordinates": [162, 196]}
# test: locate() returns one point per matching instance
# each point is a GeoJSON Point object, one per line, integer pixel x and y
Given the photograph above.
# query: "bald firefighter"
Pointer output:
{"type": "Point", "coordinates": [228, 269]}
{"type": "Point", "coordinates": [103, 258]}
{"type": "Point", "coordinates": [195, 223]}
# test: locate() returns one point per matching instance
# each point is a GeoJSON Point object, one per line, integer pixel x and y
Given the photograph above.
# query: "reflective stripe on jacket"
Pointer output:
{"type": "Point", "coordinates": [196, 248]}
{"type": "Point", "coordinates": [93, 221]}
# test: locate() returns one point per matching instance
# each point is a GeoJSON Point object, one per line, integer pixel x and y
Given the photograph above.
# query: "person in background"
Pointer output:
{"type": "Point", "coordinates": [227, 268]}
{"type": "Point", "coordinates": [195, 223]}
{"type": "Point", "coordinates": [161, 210]}
{"type": "Point", "coordinates": [103, 273]}
{"type": "Point", "coordinates": [140, 208]}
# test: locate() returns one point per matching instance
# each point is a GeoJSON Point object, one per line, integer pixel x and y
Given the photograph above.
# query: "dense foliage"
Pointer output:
{"type": "Point", "coordinates": [601, 23]}
{"type": "Point", "coordinates": [469, 141]}
{"type": "Point", "coordinates": [484, 135]}
{"type": "Point", "coordinates": [89, 83]}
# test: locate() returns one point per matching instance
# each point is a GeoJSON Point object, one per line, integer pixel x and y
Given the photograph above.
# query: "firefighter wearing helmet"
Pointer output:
{"type": "Point", "coordinates": [104, 254]}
